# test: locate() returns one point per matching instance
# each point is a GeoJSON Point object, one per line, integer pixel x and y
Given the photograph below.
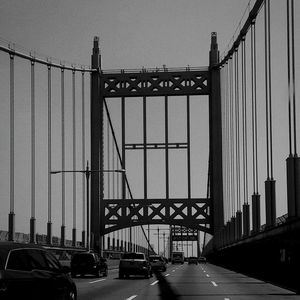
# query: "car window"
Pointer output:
{"type": "Point", "coordinates": [87, 258]}
{"type": "Point", "coordinates": [133, 256]}
{"type": "Point", "coordinates": [52, 262]}
{"type": "Point", "coordinates": [37, 259]}
{"type": "Point", "coordinates": [18, 260]}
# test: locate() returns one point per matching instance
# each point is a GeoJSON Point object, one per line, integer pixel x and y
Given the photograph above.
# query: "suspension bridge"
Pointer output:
{"type": "Point", "coordinates": [91, 175]}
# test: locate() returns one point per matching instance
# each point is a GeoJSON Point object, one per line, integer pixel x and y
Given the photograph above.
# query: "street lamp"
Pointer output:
{"type": "Point", "coordinates": [87, 173]}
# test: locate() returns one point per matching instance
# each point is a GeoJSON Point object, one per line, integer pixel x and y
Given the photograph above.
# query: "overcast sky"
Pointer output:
{"type": "Point", "coordinates": [133, 34]}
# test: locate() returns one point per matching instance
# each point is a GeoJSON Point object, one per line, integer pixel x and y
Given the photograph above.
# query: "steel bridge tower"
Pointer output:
{"type": "Point", "coordinates": [202, 214]}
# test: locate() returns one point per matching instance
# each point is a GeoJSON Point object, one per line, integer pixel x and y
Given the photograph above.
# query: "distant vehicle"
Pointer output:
{"type": "Point", "coordinates": [202, 259]}
{"type": "Point", "coordinates": [177, 257]}
{"type": "Point", "coordinates": [88, 263]}
{"type": "Point", "coordinates": [28, 271]}
{"type": "Point", "coordinates": [193, 260]}
{"type": "Point", "coordinates": [157, 263]}
{"type": "Point", "coordinates": [134, 263]}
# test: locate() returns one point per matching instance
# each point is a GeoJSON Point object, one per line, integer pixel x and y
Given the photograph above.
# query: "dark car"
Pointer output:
{"type": "Point", "coordinates": [88, 263]}
{"type": "Point", "coordinates": [158, 263]}
{"type": "Point", "coordinates": [193, 260]}
{"type": "Point", "coordinates": [28, 271]}
{"type": "Point", "coordinates": [134, 263]}
{"type": "Point", "coordinates": [202, 259]}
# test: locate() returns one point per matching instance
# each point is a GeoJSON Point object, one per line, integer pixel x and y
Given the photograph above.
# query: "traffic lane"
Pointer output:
{"type": "Point", "coordinates": [206, 281]}
{"type": "Point", "coordinates": [111, 287]}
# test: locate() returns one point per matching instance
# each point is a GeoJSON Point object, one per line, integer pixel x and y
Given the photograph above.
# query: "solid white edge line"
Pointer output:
{"type": "Point", "coordinates": [97, 280]}
{"type": "Point", "coordinates": [132, 297]}
{"type": "Point", "coordinates": [155, 282]}
{"type": "Point", "coordinates": [213, 283]}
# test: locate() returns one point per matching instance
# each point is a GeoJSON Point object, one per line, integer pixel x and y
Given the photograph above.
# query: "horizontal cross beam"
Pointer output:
{"type": "Point", "coordinates": [140, 146]}
{"type": "Point", "coordinates": [152, 83]}
{"type": "Point", "coordinates": [191, 213]}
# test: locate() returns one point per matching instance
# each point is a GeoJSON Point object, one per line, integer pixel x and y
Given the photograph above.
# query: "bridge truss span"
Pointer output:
{"type": "Point", "coordinates": [192, 213]}
{"type": "Point", "coordinates": [154, 83]}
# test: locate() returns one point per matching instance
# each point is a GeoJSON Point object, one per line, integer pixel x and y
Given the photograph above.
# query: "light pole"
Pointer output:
{"type": "Point", "coordinates": [87, 173]}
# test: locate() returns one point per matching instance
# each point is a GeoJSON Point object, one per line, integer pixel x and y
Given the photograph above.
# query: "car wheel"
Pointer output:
{"type": "Point", "coordinates": [105, 273]}
{"type": "Point", "coordinates": [73, 274]}
{"type": "Point", "coordinates": [121, 275]}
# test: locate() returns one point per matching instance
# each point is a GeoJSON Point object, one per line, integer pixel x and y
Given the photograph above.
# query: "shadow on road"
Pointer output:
{"type": "Point", "coordinates": [165, 289]}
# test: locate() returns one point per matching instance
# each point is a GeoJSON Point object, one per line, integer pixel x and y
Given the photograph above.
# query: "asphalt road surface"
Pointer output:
{"type": "Point", "coordinates": [190, 282]}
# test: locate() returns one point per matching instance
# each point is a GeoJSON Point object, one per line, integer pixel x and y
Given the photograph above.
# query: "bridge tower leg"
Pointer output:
{"type": "Point", "coordinates": [96, 107]}
{"type": "Point", "coordinates": [215, 143]}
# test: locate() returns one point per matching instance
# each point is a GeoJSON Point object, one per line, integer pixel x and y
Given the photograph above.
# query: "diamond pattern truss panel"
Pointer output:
{"type": "Point", "coordinates": [151, 83]}
{"type": "Point", "coordinates": [190, 213]}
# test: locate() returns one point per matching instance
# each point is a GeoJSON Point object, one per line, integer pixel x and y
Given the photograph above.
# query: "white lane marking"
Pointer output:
{"type": "Point", "coordinates": [167, 275]}
{"type": "Point", "coordinates": [132, 297]}
{"type": "Point", "coordinates": [213, 283]}
{"type": "Point", "coordinates": [226, 298]}
{"type": "Point", "coordinates": [204, 271]}
{"type": "Point", "coordinates": [207, 275]}
{"type": "Point", "coordinates": [155, 282]}
{"type": "Point", "coordinates": [97, 281]}
{"type": "Point", "coordinates": [173, 270]}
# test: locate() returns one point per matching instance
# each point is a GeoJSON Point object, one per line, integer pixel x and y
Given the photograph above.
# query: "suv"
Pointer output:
{"type": "Point", "coordinates": [134, 263]}
{"type": "Point", "coordinates": [157, 263]}
{"type": "Point", "coordinates": [28, 271]}
{"type": "Point", "coordinates": [88, 263]}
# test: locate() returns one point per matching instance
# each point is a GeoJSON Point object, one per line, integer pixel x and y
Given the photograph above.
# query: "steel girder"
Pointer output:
{"type": "Point", "coordinates": [152, 83]}
{"type": "Point", "coordinates": [190, 213]}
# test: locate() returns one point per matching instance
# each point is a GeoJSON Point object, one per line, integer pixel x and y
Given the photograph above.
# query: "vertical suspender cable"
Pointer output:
{"type": "Point", "coordinates": [83, 148]}
{"type": "Point", "coordinates": [63, 148]}
{"type": "Point", "coordinates": [237, 117]}
{"type": "Point", "coordinates": [74, 154]}
{"type": "Point", "coordinates": [32, 140]}
{"type": "Point", "coordinates": [289, 77]}
{"type": "Point", "coordinates": [245, 137]}
{"type": "Point", "coordinates": [232, 138]}
{"type": "Point", "coordinates": [267, 87]}
{"type": "Point", "coordinates": [49, 146]}
{"type": "Point", "coordinates": [255, 103]}
{"type": "Point", "coordinates": [12, 148]}
{"type": "Point", "coordinates": [228, 136]}
{"type": "Point", "coordinates": [270, 91]}
{"type": "Point", "coordinates": [293, 74]}
{"type": "Point", "coordinates": [252, 107]}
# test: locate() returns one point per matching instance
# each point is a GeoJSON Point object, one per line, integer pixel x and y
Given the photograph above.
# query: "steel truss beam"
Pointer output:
{"type": "Point", "coordinates": [151, 83]}
{"type": "Point", "coordinates": [184, 234]}
{"type": "Point", "coordinates": [192, 213]}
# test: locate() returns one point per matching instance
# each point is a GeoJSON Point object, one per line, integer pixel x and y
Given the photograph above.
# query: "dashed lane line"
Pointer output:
{"type": "Point", "coordinates": [97, 280]}
{"type": "Point", "coordinates": [207, 275]}
{"type": "Point", "coordinates": [155, 282]}
{"type": "Point", "coordinates": [213, 283]}
{"type": "Point", "coordinates": [167, 275]}
{"type": "Point", "coordinates": [131, 297]}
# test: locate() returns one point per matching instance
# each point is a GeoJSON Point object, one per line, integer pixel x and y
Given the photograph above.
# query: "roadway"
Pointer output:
{"type": "Point", "coordinates": [191, 282]}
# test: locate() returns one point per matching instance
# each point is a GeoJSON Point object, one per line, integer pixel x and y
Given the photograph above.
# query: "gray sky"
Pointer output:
{"type": "Point", "coordinates": [133, 34]}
